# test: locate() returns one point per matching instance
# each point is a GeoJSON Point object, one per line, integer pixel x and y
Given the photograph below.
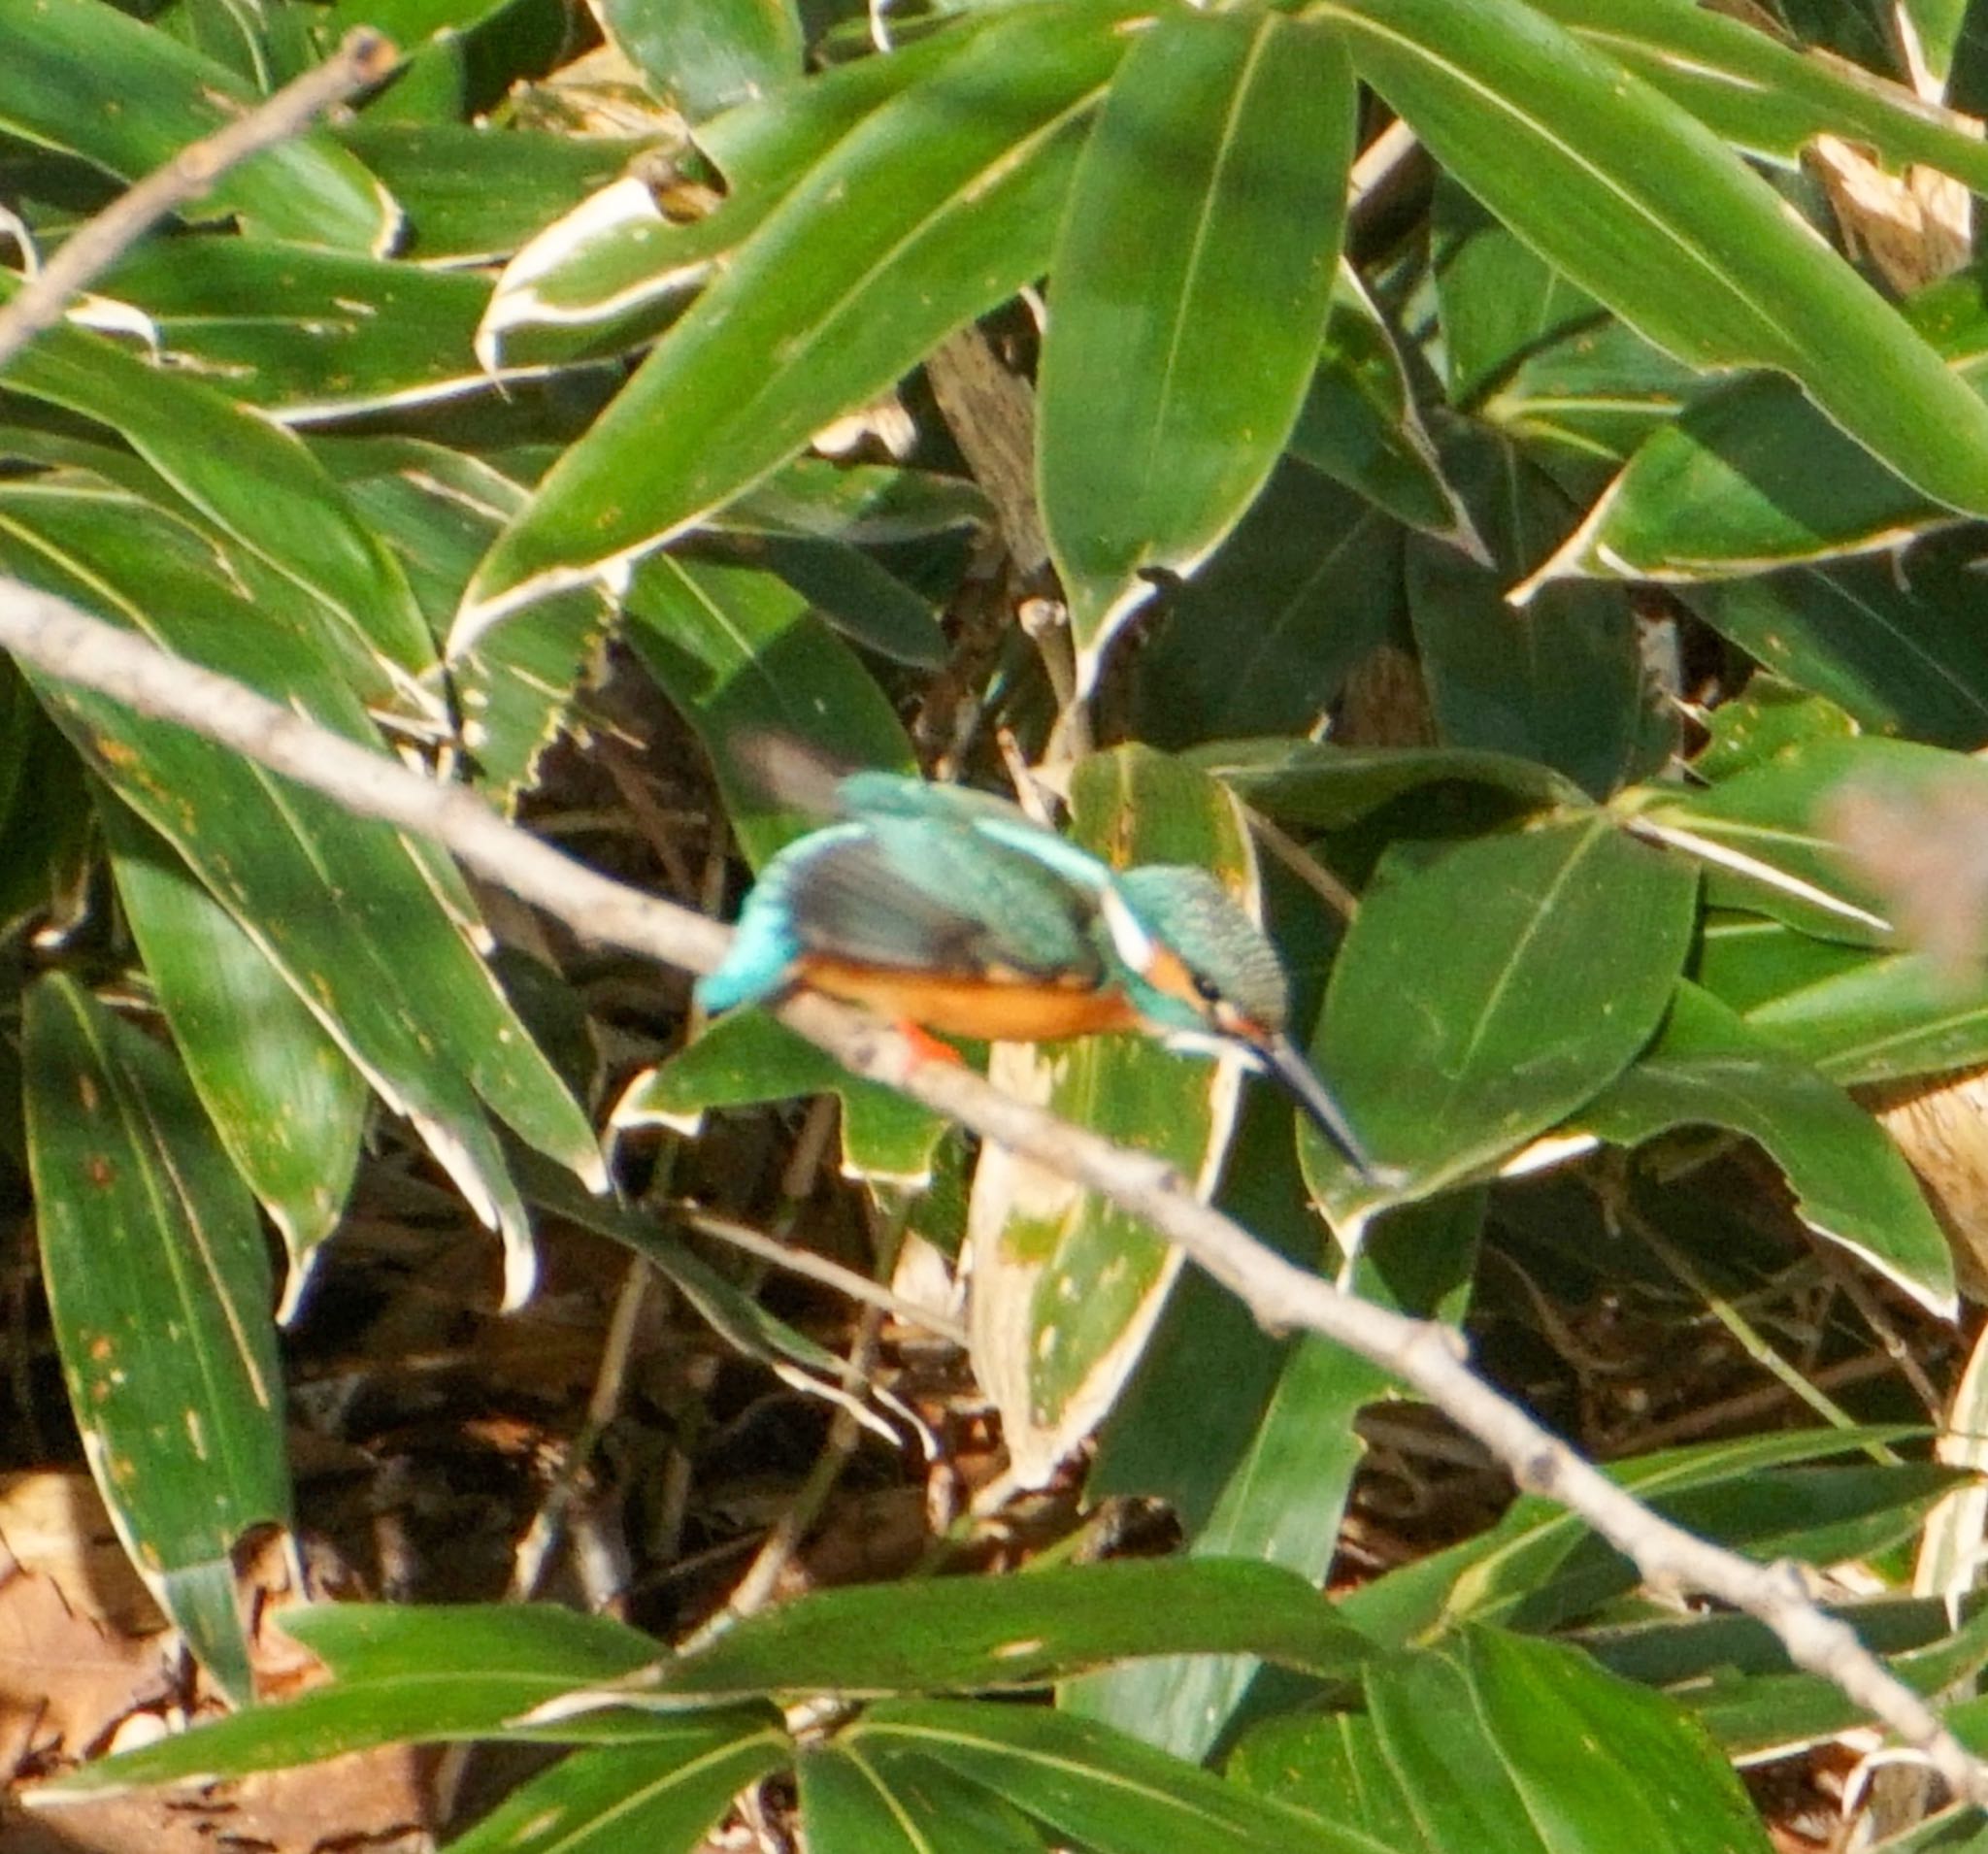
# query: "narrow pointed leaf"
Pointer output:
{"type": "Point", "coordinates": [704, 55]}
{"type": "Point", "coordinates": [1768, 97]}
{"type": "Point", "coordinates": [1895, 641]}
{"type": "Point", "coordinates": [286, 1104]}
{"type": "Point", "coordinates": [1360, 425]}
{"type": "Point", "coordinates": [422, 1674]}
{"type": "Point", "coordinates": [871, 1799]}
{"type": "Point", "coordinates": [1702, 255]}
{"type": "Point", "coordinates": [370, 929]}
{"type": "Point", "coordinates": [745, 1057]}
{"type": "Point", "coordinates": [254, 481]}
{"type": "Point", "coordinates": [1097, 1788]}
{"type": "Point", "coordinates": [1502, 1742]}
{"type": "Point", "coordinates": [159, 1292]}
{"type": "Point", "coordinates": [60, 60]}
{"type": "Point", "coordinates": [1262, 638]}
{"type": "Point", "coordinates": [1283, 1496]}
{"type": "Point", "coordinates": [1066, 1289]}
{"type": "Point", "coordinates": [1204, 223]}
{"type": "Point", "coordinates": [930, 211]}
{"type": "Point", "coordinates": [1762, 836]}
{"type": "Point", "coordinates": [616, 268]}
{"type": "Point", "coordinates": [738, 651]}
{"type": "Point", "coordinates": [661, 1794]}
{"type": "Point", "coordinates": [472, 192]}
{"type": "Point", "coordinates": [306, 334]}
{"type": "Point", "coordinates": [1020, 1631]}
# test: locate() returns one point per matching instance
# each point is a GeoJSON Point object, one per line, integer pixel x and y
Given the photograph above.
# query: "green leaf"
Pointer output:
{"type": "Point", "coordinates": [1320, 786]}
{"type": "Point", "coordinates": [1645, 209]}
{"type": "Point", "coordinates": [1203, 223]}
{"type": "Point", "coordinates": [738, 653]}
{"type": "Point", "coordinates": [1066, 1288]}
{"type": "Point", "coordinates": [253, 480]}
{"type": "Point", "coordinates": [1559, 951]}
{"type": "Point", "coordinates": [303, 333]}
{"type": "Point", "coordinates": [1754, 726]}
{"type": "Point", "coordinates": [412, 1675]}
{"type": "Point", "coordinates": [1538, 359]}
{"type": "Point", "coordinates": [1540, 1565]}
{"type": "Point", "coordinates": [158, 1291]}
{"type": "Point", "coordinates": [873, 1798]}
{"type": "Point", "coordinates": [1877, 1018]}
{"type": "Point", "coordinates": [1753, 475]}
{"type": "Point", "coordinates": [436, 509]}
{"type": "Point", "coordinates": [1468, 1748]}
{"type": "Point", "coordinates": [285, 1102]}
{"type": "Point", "coordinates": [704, 55]}
{"type": "Point", "coordinates": [1096, 1787]}
{"type": "Point", "coordinates": [963, 1633]}
{"type": "Point", "coordinates": [662, 1795]}
{"type": "Point", "coordinates": [1560, 680]}
{"type": "Point", "coordinates": [930, 210]}
{"type": "Point", "coordinates": [1851, 1184]}
{"type": "Point", "coordinates": [615, 269]}
{"type": "Point", "coordinates": [1360, 425]}
{"type": "Point", "coordinates": [1760, 833]}
{"type": "Point", "coordinates": [864, 601]}
{"type": "Point", "coordinates": [1283, 1494]}
{"type": "Point", "coordinates": [1260, 640]}
{"type": "Point", "coordinates": [474, 193]}
{"type": "Point", "coordinates": [745, 1058]}
{"type": "Point", "coordinates": [1894, 639]}
{"type": "Point", "coordinates": [81, 76]}
{"type": "Point", "coordinates": [734, 1315]}
{"type": "Point", "coordinates": [373, 930]}
{"type": "Point", "coordinates": [1766, 97]}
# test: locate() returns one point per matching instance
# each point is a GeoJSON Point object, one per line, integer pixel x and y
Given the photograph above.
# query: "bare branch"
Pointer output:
{"type": "Point", "coordinates": [64, 644]}
{"type": "Point", "coordinates": [363, 58]}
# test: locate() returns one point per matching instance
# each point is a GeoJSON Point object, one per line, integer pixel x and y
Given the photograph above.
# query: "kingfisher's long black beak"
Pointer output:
{"type": "Point", "coordinates": [1284, 1063]}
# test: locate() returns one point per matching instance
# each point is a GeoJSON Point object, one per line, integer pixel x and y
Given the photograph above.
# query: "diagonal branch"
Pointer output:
{"type": "Point", "coordinates": [63, 644]}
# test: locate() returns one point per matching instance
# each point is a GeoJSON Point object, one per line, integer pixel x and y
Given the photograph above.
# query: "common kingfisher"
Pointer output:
{"type": "Point", "coordinates": [948, 908]}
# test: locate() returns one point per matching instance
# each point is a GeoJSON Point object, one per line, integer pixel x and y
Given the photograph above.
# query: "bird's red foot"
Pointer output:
{"type": "Point", "coordinates": [926, 1046]}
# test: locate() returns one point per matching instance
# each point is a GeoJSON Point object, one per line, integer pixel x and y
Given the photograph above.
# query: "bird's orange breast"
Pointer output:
{"type": "Point", "coordinates": [994, 1008]}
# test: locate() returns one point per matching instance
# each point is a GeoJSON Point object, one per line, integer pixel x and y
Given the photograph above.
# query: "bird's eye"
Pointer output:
{"type": "Point", "coordinates": [1206, 989]}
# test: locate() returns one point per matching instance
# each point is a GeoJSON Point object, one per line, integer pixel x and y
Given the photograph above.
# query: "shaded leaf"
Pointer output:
{"type": "Point", "coordinates": [661, 1793]}
{"type": "Point", "coordinates": [1468, 1747]}
{"type": "Point", "coordinates": [739, 654]}
{"type": "Point", "coordinates": [1851, 1184]}
{"type": "Point", "coordinates": [1096, 1787]}
{"type": "Point", "coordinates": [158, 1291]}
{"type": "Point", "coordinates": [285, 1102]}
{"type": "Point", "coordinates": [1066, 1288]}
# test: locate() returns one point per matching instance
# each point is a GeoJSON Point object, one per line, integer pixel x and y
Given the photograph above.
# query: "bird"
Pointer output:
{"type": "Point", "coordinates": [950, 909]}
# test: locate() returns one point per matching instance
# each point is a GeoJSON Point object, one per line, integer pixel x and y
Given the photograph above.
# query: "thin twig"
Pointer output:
{"type": "Point", "coordinates": [818, 1268]}
{"type": "Point", "coordinates": [364, 56]}
{"type": "Point", "coordinates": [56, 639]}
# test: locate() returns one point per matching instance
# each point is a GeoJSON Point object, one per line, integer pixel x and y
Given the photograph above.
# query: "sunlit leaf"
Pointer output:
{"type": "Point", "coordinates": [930, 210]}
{"type": "Point", "coordinates": [1701, 256]}
{"type": "Point", "coordinates": [1203, 223]}
{"type": "Point", "coordinates": [60, 60]}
